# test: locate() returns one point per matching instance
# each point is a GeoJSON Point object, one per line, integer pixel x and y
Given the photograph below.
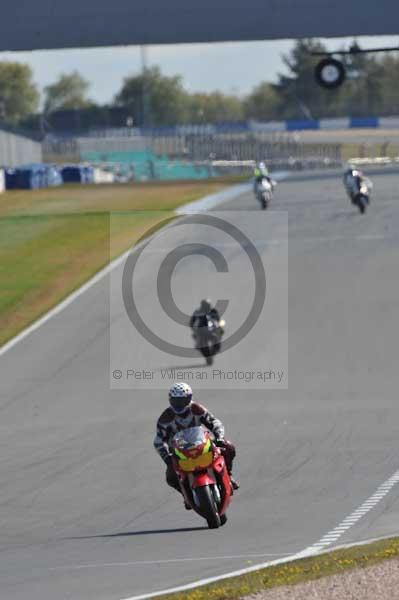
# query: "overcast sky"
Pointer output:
{"type": "Point", "coordinates": [228, 67]}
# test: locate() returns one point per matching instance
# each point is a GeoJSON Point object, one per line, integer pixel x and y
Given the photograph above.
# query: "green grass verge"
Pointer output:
{"type": "Point", "coordinates": [294, 572]}
{"type": "Point", "coordinates": [53, 240]}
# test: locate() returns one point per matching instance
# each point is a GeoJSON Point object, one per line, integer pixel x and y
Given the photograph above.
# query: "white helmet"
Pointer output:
{"type": "Point", "coordinates": [180, 397]}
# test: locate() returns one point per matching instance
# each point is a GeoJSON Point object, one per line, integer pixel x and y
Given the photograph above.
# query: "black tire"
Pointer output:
{"type": "Point", "coordinates": [361, 205]}
{"type": "Point", "coordinates": [209, 360]}
{"type": "Point", "coordinates": [208, 508]}
{"type": "Point", "coordinates": [205, 350]}
{"type": "Point", "coordinates": [330, 73]}
{"type": "Point", "coordinates": [223, 520]}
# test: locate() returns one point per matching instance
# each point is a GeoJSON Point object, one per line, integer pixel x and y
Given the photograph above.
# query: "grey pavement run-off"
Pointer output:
{"type": "Point", "coordinates": [85, 512]}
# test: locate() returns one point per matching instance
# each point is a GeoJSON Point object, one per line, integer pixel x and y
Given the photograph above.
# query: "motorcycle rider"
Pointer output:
{"type": "Point", "coordinates": [353, 181]}
{"type": "Point", "coordinates": [182, 414]}
{"type": "Point", "coordinates": [201, 316]}
{"type": "Point", "coordinates": [261, 172]}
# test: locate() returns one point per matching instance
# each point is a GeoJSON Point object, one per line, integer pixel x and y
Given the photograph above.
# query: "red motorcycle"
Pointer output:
{"type": "Point", "coordinates": [203, 476]}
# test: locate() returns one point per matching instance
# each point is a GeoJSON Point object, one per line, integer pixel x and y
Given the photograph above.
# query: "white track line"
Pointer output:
{"type": "Point", "coordinates": [64, 304]}
{"type": "Point", "coordinates": [227, 194]}
{"type": "Point", "coordinates": [214, 199]}
{"type": "Point", "coordinates": [318, 548]}
{"type": "Point", "coordinates": [334, 535]}
{"type": "Point", "coordinates": [163, 561]}
{"type": "Point", "coordinates": [223, 196]}
{"type": "Point", "coordinates": [202, 582]}
{"type": "Point", "coordinates": [202, 204]}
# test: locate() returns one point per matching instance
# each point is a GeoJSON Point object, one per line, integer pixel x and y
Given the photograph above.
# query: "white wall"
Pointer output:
{"type": "Point", "coordinates": [32, 24]}
{"type": "Point", "coordinates": [16, 150]}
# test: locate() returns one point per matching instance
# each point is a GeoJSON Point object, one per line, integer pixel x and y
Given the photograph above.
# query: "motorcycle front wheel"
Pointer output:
{"type": "Point", "coordinates": [362, 206]}
{"type": "Point", "coordinates": [207, 353]}
{"type": "Point", "coordinates": [207, 507]}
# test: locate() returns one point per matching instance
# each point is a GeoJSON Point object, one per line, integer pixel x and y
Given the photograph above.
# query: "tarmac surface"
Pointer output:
{"type": "Point", "coordinates": [85, 512]}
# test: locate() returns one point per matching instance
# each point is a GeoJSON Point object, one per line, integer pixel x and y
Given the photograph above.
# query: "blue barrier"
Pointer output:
{"type": "Point", "coordinates": [77, 174]}
{"type": "Point", "coordinates": [364, 122]}
{"type": "Point", "coordinates": [232, 127]}
{"type": "Point", "coordinates": [253, 126]}
{"type": "Point", "coordinates": [10, 179]}
{"type": "Point", "coordinates": [32, 177]}
{"type": "Point", "coordinates": [243, 126]}
{"type": "Point", "coordinates": [302, 125]}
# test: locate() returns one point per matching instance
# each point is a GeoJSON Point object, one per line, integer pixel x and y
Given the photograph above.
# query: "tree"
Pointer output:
{"type": "Point", "coordinates": [263, 103]}
{"type": "Point", "coordinates": [389, 74]}
{"type": "Point", "coordinates": [363, 91]}
{"type": "Point", "coordinates": [69, 92]}
{"type": "Point", "coordinates": [19, 96]}
{"type": "Point", "coordinates": [300, 96]}
{"type": "Point", "coordinates": [153, 98]}
{"type": "Point", "coordinates": [214, 107]}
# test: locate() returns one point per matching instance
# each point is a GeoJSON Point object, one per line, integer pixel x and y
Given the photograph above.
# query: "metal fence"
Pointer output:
{"type": "Point", "coordinates": [16, 150]}
{"type": "Point", "coordinates": [192, 155]}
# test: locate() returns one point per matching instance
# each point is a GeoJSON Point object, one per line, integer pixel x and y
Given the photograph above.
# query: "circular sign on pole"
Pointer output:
{"type": "Point", "coordinates": [330, 73]}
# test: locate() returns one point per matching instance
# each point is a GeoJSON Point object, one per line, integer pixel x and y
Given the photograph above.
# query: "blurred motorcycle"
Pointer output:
{"type": "Point", "coordinates": [209, 338]}
{"type": "Point", "coordinates": [362, 198]}
{"type": "Point", "coordinates": [264, 192]}
{"type": "Point", "coordinates": [358, 189]}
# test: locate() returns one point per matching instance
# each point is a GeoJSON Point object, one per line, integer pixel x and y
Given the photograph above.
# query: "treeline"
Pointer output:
{"type": "Point", "coordinates": [153, 99]}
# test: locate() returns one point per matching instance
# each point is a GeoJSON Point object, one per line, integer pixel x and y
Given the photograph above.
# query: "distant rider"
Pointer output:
{"type": "Point", "coordinates": [199, 322]}
{"type": "Point", "coordinates": [353, 181]}
{"type": "Point", "coordinates": [204, 313]}
{"type": "Point", "coordinates": [182, 414]}
{"type": "Point", "coordinates": [261, 172]}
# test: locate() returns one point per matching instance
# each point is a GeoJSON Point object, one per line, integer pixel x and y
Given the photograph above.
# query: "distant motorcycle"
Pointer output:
{"type": "Point", "coordinates": [264, 192]}
{"type": "Point", "coordinates": [362, 198]}
{"type": "Point", "coordinates": [201, 469]}
{"type": "Point", "coordinates": [209, 338]}
{"type": "Point", "coordinates": [358, 189]}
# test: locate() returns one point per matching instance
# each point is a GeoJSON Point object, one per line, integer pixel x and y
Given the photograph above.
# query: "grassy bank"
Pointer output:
{"type": "Point", "coordinates": [294, 572]}
{"type": "Point", "coordinates": [53, 240]}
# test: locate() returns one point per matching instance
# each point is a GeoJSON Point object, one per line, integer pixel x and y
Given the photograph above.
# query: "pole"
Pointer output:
{"type": "Point", "coordinates": [146, 118]}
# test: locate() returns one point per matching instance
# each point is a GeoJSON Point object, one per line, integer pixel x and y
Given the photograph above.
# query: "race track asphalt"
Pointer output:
{"type": "Point", "coordinates": [84, 511]}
